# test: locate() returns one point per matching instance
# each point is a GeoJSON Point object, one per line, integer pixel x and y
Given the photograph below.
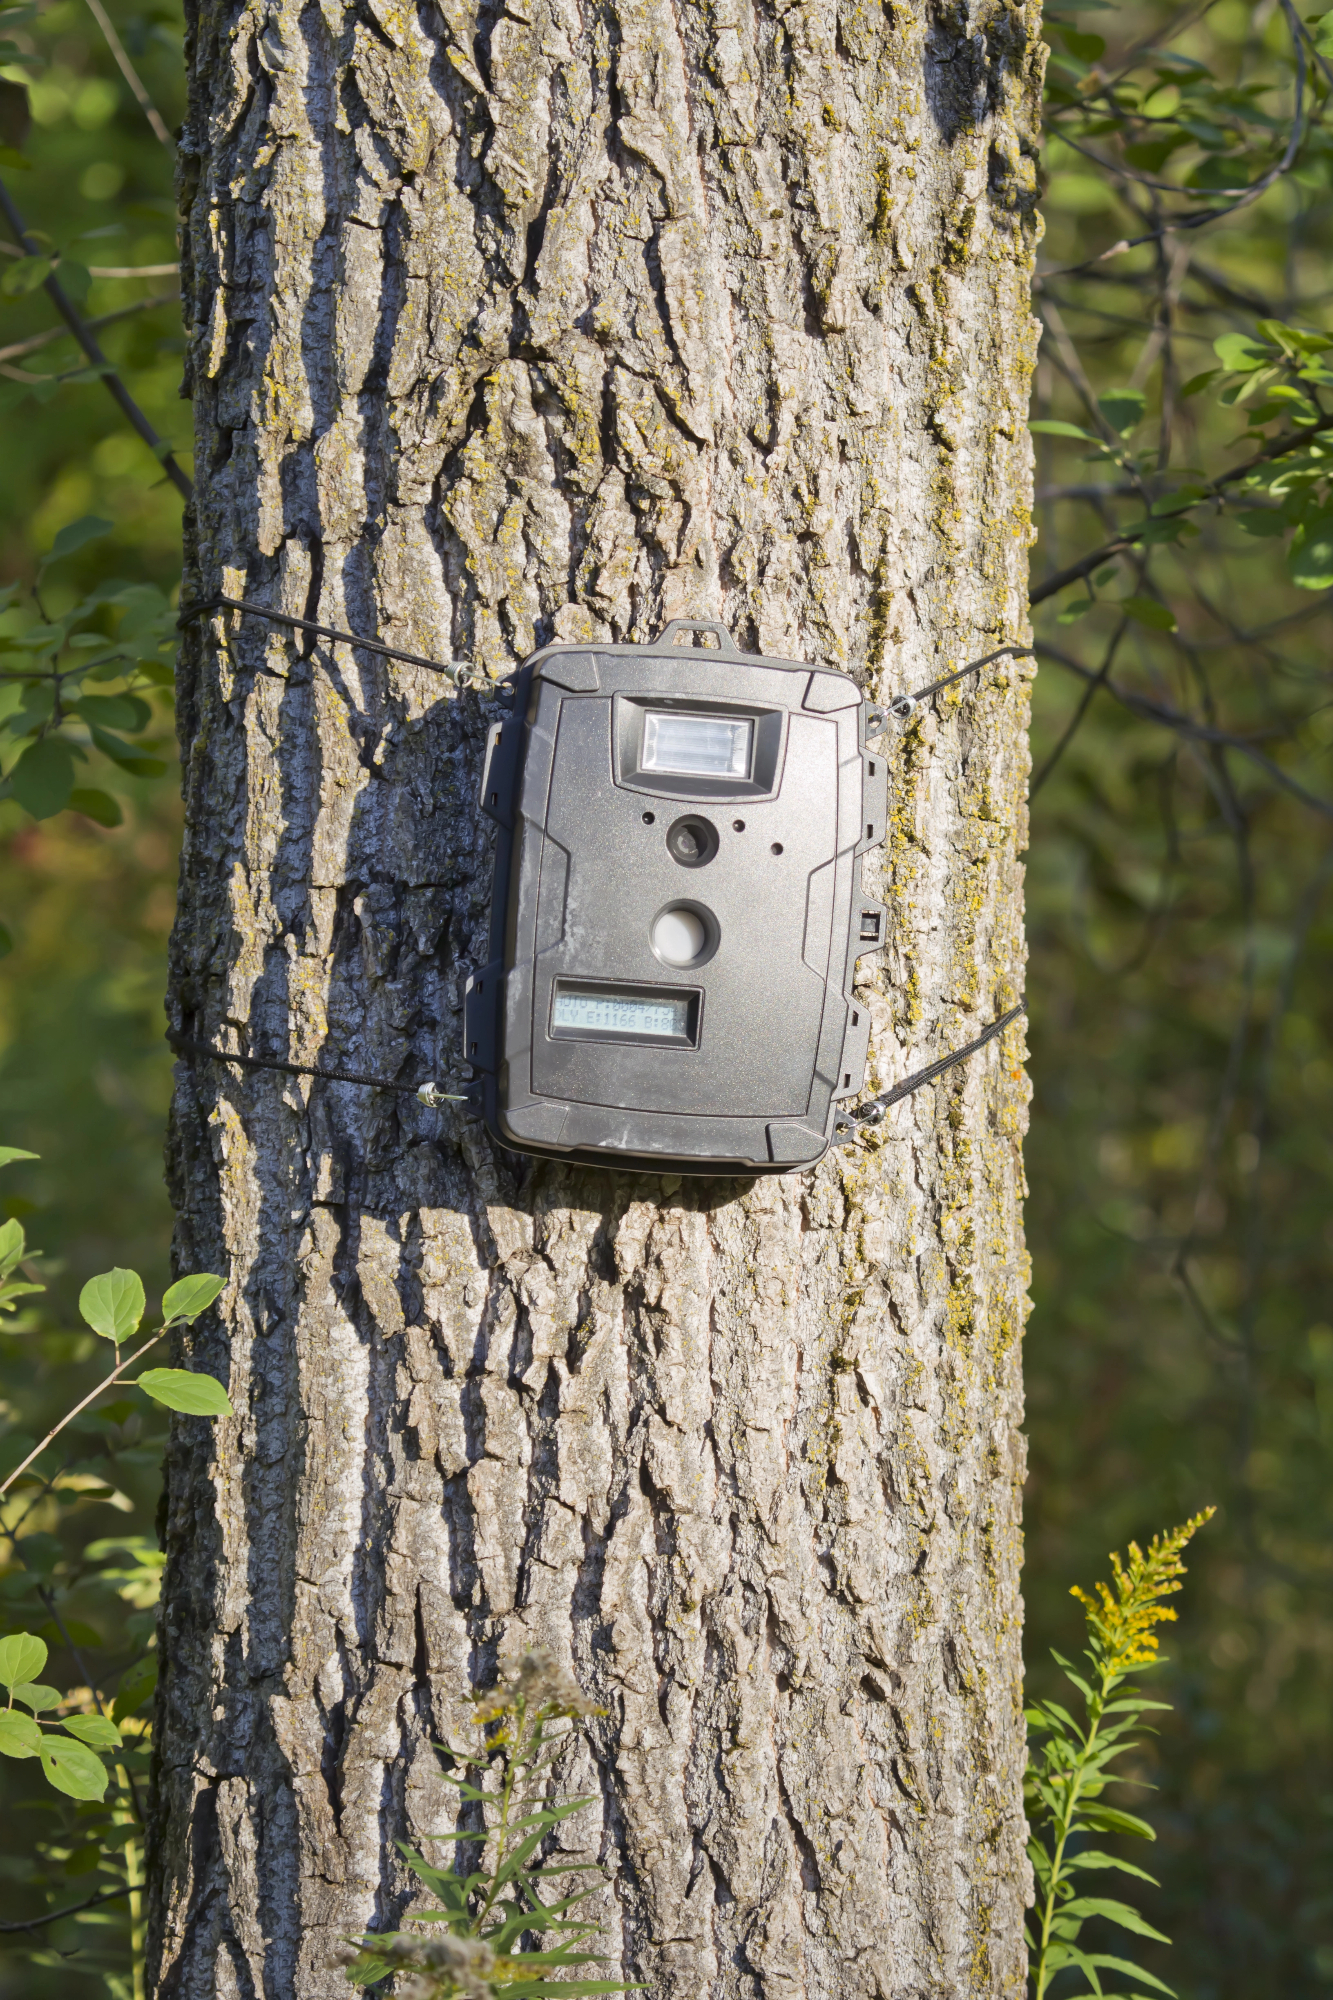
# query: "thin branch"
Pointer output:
{"type": "Point", "coordinates": [88, 341]}
{"type": "Point", "coordinates": [1098, 680]}
{"type": "Point", "coordinates": [1185, 725]}
{"type": "Point", "coordinates": [104, 270]}
{"type": "Point", "coordinates": [133, 270]}
{"type": "Point", "coordinates": [79, 1408]}
{"type": "Point", "coordinates": [70, 1910]}
{"type": "Point", "coordinates": [1289, 441]}
{"type": "Point", "coordinates": [36, 340]}
{"type": "Point", "coordinates": [131, 74]}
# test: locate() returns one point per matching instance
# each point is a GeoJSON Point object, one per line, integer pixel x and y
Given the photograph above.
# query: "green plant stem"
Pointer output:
{"type": "Point", "coordinates": [134, 1889]}
{"type": "Point", "coordinates": [506, 1795]}
{"type": "Point", "coordinates": [91, 1397]}
{"type": "Point", "coordinates": [1096, 1709]}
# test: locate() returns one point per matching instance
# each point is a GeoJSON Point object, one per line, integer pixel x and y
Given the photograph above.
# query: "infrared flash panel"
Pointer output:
{"type": "Point", "coordinates": [677, 907]}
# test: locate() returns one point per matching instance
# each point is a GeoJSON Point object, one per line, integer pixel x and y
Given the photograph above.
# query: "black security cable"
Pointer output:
{"type": "Point", "coordinates": [901, 708]}
{"type": "Point", "coordinates": [450, 668]}
{"type": "Point", "coordinates": [428, 1093]}
{"type": "Point", "coordinates": [872, 1112]}
{"type": "Point", "coordinates": [904, 706]}
{"type": "Point", "coordinates": [433, 1097]}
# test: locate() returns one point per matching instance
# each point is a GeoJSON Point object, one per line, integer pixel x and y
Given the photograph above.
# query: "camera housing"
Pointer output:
{"type": "Point", "coordinates": [676, 910]}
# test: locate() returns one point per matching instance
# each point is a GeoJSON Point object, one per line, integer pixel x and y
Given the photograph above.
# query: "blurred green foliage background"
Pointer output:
{"type": "Point", "coordinates": [1181, 1350]}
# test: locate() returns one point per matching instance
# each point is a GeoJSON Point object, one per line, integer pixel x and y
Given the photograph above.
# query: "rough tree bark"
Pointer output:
{"type": "Point", "coordinates": [510, 322]}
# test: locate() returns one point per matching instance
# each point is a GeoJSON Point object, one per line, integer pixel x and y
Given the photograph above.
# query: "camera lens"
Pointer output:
{"type": "Point", "coordinates": [691, 841]}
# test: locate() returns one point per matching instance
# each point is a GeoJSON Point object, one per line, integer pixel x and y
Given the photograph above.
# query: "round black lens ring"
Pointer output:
{"type": "Point", "coordinates": [692, 841]}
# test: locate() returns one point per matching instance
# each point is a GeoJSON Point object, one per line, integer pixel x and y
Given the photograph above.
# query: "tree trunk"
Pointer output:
{"type": "Point", "coordinates": [506, 325]}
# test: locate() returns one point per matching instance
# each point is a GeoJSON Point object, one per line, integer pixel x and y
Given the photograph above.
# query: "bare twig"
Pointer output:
{"type": "Point", "coordinates": [131, 74]}
{"type": "Point", "coordinates": [36, 340]}
{"type": "Point", "coordinates": [79, 1408]}
{"type": "Point", "coordinates": [1185, 725]}
{"type": "Point", "coordinates": [70, 1910]}
{"type": "Point", "coordinates": [103, 270]}
{"type": "Point", "coordinates": [88, 341]}
{"type": "Point", "coordinates": [1097, 680]}
{"type": "Point", "coordinates": [1289, 441]}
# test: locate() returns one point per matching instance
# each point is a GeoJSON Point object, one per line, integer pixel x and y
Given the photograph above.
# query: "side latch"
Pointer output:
{"type": "Point", "coordinates": [499, 771]}
{"type": "Point", "coordinates": [481, 1016]}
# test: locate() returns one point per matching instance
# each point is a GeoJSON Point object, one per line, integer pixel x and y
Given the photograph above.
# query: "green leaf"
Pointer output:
{"type": "Point", "coordinates": [125, 754]}
{"type": "Point", "coordinates": [368, 1970]}
{"type": "Point", "coordinates": [94, 1730]}
{"type": "Point", "coordinates": [1152, 154]}
{"type": "Point", "coordinates": [73, 1768]}
{"type": "Point", "coordinates": [136, 1685]}
{"type": "Point", "coordinates": [1297, 341]}
{"type": "Point", "coordinates": [1239, 354]}
{"type": "Point", "coordinates": [1109, 1819]}
{"type": "Point", "coordinates": [113, 1303]}
{"type": "Point", "coordinates": [43, 778]}
{"type": "Point", "coordinates": [1263, 521]}
{"type": "Point", "coordinates": [25, 275]}
{"type": "Point", "coordinates": [76, 279]}
{"type": "Point", "coordinates": [16, 1288]}
{"type": "Point", "coordinates": [10, 1153]}
{"type": "Point", "coordinates": [12, 1245]}
{"type": "Point", "coordinates": [1198, 382]}
{"type": "Point", "coordinates": [195, 1395]}
{"type": "Point", "coordinates": [22, 1658]}
{"type": "Point", "coordinates": [1149, 612]}
{"type": "Point", "coordinates": [1100, 1958]}
{"type": "Point", "coordinates": [1310, 558]}
{"type": "Point", "coordinates": [114, 711]}
{"type": "Point", "coordinates": [1182, 496]}
{"type": "Point", "coordinates": [1088, 48]}
{"type": "Point", "coordinates": [1115, 1912]}
{"type": "Point", "coordinates": [97, 806]}
{"type": "Point", "coordinates": [1057, 427]}
{"type": "Point", "coordinates": [19, 1735]}
{"type": "Point", "coordinates": [188, 1297]}
{"type": "Point", "coordinates": [1122, 409]}
{"type": "Point", "coordinates": [36, 1697]}
{"type": "Point", "coordinates": [6, 941]}
{"type": "Point", "coordinates": [87, 528]}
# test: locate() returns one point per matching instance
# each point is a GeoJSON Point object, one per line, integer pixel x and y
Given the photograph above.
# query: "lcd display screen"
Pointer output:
{"type": "Point", "coordinates": [706, 746]}
{"type": "Point", "coordinates": [622, 1012]}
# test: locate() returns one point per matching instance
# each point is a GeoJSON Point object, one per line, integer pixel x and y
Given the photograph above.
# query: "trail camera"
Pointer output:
{"type": "Point", "coordinates": [677, 908]}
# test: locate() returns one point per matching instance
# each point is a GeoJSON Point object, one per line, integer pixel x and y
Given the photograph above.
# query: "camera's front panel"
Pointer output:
{"type": "Point", "coordinates": [679, 902]}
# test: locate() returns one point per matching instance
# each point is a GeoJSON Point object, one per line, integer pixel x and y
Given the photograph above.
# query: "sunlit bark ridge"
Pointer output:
{"type": "Point", "coordinates": [525, 323]}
